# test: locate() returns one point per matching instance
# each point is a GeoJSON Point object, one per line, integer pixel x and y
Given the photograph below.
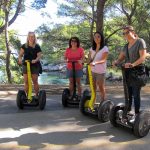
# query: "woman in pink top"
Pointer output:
{"type": "Point", "coordinates": [99, 54]}
{"type": "Point", "coordinates": [74, 53]}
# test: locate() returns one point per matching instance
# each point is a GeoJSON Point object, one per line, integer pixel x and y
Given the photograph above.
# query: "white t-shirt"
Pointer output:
{"type": "Point", "coordinates": [99, 68]}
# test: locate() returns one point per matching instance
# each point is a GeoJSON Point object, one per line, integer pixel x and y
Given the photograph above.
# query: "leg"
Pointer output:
{"type": "Point", "coordinates": [35, 83]}
{"type": "Point", "coordinates": [78, 81]}
{"type": "Point", "coordinates": [25, 83]}
{"type": "Point", "coordinates": [94, 86]}
{"type": "Point", "coordinates": [137, 98]}
{"type": "Point", "coordinates": [101, 84]}
{"type": "Point", "coordinates": [130, 93]}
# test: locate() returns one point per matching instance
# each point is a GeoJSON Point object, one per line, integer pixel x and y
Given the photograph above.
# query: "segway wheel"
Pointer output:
{"type": "Point", "coordinates": [21, 96]}
{"type": "Point", "coordinates": [141, 124]}
{"type": "Point", "coordinates": [113, 113]}
{"type": "Point", "coordinates": [65, 96]}
{"type": "Point", "coordinates": [86, 96]}
{"type": "Point", "coordinates": [42, 99]}
{"type": "Point", "coordinates": [104, 110]}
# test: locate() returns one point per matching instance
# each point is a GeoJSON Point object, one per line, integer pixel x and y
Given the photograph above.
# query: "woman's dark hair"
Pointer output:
{"type": "Point", "coordinates": [76, 39]}
{"type": "Point", "coordinates": [102, 43]}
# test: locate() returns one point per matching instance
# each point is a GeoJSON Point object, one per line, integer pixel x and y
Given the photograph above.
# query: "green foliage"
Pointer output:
{"type": "Point", "coordinates": [38, 4]}
{"type": "Point", "coordinates": [56, 40]}
{"type": "Point", "coordinates": [15, 69]}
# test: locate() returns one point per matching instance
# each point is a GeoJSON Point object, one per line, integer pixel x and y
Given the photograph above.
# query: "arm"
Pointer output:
{"type": "Point", "coordinates": [121, 57]}
{"type": "Point", "coordinates": [143, 55]}
{"type": "Point", "coordinates": [81, 61]}
{"type": "Point", "coordinates": [104, 58]}
{"type": "Point", "coordinates": [21, 53]}
{"type": "Point", "coordinates": [39, 55]}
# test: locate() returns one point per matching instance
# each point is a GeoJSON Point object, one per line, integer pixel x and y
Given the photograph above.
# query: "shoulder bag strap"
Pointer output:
{"type": "Point", "coordinates": [91, 60]}
{"type": "Point", "coordinates": [127, 52]}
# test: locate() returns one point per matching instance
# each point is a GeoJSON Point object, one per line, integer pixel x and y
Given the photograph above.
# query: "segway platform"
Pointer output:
{"type": "Point", "coordinates": [23, 101]}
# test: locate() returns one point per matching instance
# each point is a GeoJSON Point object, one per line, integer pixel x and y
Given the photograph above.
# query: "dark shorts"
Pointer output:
{"type": "Point", "coordinates": [34, 69]}
{"type": "Point", "coordinates": [78, 73]}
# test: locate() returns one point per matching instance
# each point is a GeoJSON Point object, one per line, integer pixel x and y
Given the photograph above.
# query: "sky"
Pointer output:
{"type": "Point", "coordinates": [31, 18]}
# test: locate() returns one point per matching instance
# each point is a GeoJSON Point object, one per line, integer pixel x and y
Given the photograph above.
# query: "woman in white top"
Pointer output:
{"type": "Point", "coordinates": [99, 54]}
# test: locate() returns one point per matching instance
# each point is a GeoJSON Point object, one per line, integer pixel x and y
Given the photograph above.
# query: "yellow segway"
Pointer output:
{"type": "Point", "coordinates": [29, 100]}
{"type": "Point", "coordinates": [89, 107]}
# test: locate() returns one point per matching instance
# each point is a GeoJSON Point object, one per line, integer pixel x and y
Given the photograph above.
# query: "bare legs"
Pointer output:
{"type": "Point", "coordinates": [101, 85]}
{"type": "Point", "coordinates": [71, 86]}
{"type": "Point", "coordinates": [35, 83]}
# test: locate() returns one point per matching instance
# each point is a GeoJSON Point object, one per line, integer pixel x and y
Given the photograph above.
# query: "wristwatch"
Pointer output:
{"type": "Point", "coordinates": [93, 63]}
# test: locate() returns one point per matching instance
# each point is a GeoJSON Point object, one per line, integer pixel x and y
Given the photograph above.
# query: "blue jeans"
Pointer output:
{"type": "Point", "coordinates": [134, 92]}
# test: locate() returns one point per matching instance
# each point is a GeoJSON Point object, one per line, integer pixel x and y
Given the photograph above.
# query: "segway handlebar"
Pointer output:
{"type": "Point", "coordinates": [122, 66]}
{"type": "Point", "coordinates": [24, 62]}
{"type": "Point", "coordinates": [73, 61]}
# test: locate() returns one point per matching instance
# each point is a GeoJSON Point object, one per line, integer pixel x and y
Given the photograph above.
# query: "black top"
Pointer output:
{"type": "Point", "coordinates": [30, 53]}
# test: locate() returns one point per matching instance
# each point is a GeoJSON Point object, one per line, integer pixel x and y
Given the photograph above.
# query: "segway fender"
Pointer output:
{"type": "Point", "coordinates": [21, 96]}
{"type": "Point", "coordinates": [104, 110]}
{"type": "Point", "coordinates": [120, 105]}
{"type": "Point", "coordinates": [85, 98]}
{"type": "Point", "coordinates": [65, 96]}
{"type": "Point", "coordinates": [113, 112]}
{"type": "Point", "coordinates": [42, 99]}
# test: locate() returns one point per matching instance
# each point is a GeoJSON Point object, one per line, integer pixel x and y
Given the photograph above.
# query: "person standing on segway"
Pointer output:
{"type": "Point", "coordinates": [31, 51]}
{"type": "Point", "coordinates": [74, 53]}
{"type": "Point", "coordinates": [134, 54]}
{"type": "Point", "coordinates": [98, 57]}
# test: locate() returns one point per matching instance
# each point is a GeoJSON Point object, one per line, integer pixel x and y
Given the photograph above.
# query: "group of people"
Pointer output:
{"type": "Point", "coordinates": [133, 54]}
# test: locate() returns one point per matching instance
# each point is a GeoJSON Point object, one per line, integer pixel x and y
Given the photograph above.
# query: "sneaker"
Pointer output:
{"type": "Point", "coordinates": [36, 97]}
{"type": "Point", "coordinates": [133, 118]}
{"type": "Point", "coordinates": [130, 113]}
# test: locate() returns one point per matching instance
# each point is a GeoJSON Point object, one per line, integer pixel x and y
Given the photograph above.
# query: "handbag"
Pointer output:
{"type": "Point", "coordinates": [40, 68]}
{"type": "Point", "coordinates": [138, 75]}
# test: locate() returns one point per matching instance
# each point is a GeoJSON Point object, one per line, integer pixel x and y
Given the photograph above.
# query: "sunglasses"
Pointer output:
{"type": "Point", "coordinates": [74, 41]}
{"type": "Point", "coordinates": [97, 37]}
{"type": "Point", "coordinates": [125, 33]}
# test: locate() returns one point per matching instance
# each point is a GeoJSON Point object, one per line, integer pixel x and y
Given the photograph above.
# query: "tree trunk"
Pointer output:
{"type": "Point", "coordinates": [100, 15]}
{"type": "Point", "coordinates": [8, 52]}
{"type": "Point", "coordinates": [92, 23]}
{"type": "Point", "coordinates": [15, 15]}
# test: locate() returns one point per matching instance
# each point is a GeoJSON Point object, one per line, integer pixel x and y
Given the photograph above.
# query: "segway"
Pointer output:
{"type": "Point", "coordinates": [29, 100]}
{"type": "Point", "coordinates": [119, 115]}
{"type": "Point", "coordinates": [89, 107]}
{"type": "Point", "coordinates": [74, 99]}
